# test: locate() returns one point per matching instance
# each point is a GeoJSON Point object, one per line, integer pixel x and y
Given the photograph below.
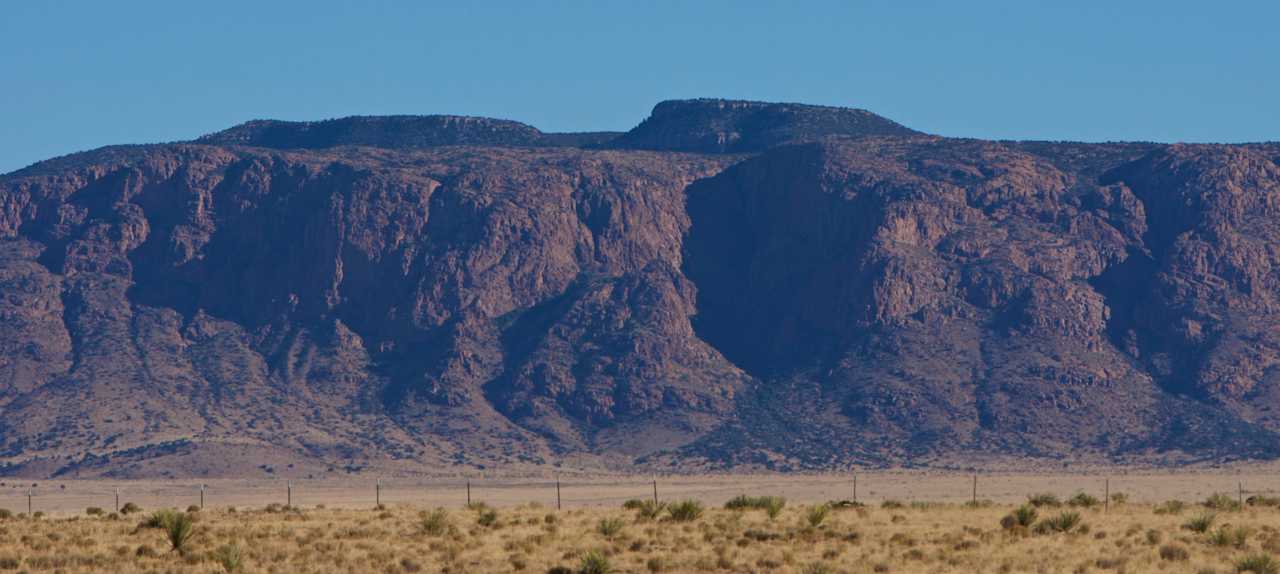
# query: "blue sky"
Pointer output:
{"type": "Point", "coordinates": [78, 75]}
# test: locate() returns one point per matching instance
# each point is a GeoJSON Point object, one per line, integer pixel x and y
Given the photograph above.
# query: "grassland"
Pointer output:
{"type": "Point", "coordinates": [763, 534]}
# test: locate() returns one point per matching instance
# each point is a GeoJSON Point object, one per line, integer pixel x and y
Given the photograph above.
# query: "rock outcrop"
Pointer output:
{"type": "Point", "coordinates": [769, 285]}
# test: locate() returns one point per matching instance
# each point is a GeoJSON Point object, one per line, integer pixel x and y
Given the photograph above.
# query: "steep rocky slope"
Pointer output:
{"type": "Point", "coordinates": [813, 288]}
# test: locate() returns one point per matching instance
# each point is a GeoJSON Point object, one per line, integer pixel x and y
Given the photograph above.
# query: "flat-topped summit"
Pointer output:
{"type": "Point", "coordinates": [710, 125]}
{"type": "Point", "coordinates": [393, 132]}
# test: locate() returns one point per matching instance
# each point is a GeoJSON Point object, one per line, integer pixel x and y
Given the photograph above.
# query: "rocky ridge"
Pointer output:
{"type": "Point", "coordinates": [729, 284]}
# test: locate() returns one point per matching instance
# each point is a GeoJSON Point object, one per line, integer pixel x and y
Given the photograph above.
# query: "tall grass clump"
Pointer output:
{"type": "Point", "coordinates": [1223, 502]}
{"type": "Point", "coordinates": [1023, 516]}
{"type": "Point", "coordinates": [649, 510]}
{"type": "Point", "coordinates": [436, 522]}
{"type": "Point", "coordinates": [1200, 524]}
{"type": "Point", "coordinates": [685, 510]}
{"type": "Point", "coordinates": [1044, 500]}
{"type": "Point", "coordinates": [609, 527]}
{"type": "Point", "coordinates": [1083, 500]}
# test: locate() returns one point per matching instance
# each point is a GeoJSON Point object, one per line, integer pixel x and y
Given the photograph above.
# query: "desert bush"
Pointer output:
{"type": "Point", "coordinates": [685, 510]}
{"type": "Point", "coordinates": [229, 557]}
{"type": "Point", "coordinates": [1024, 516]}
{"type": "Point", "coordinates": [1200, 524]}
{"type": "Point", "coordinates": [649, 510]}
{"type": "Point", "coordinates": [1258, 564]}
{"type": "Point", "coordinates": [193, 509]}
{"type": "Point", "coordinates": [5, 514]}
{"type": "Point", "coordinates": [1171, 507]}
{"type": "Point", "coordinates": [1083, 500]}
{"type": "Point", "coordinates": [487, 518]}
{"type": "Point", "coordinates": [594, 562]}
{"type": "Point", "coordinates": [130, 508]}
{"type": "Point", "coordinates": [1174, 553]}
{"type": "Point", "coordinates": [1261, 500]}
{"type": "Point", "coordinates": [1063, 522]}
{"type": "Point", "coordinates": [609, 527]}
{"type": "Point", "coordinates": [817, 514]}
{"type": "Point", "coordinates": [1044, 499]}
{"type": "Point", "coordinates": [892, 504]}
{"type": "Point", "coordinates": [634, 503]}
{"type": "Point", "coordinates": [94, 511]}
{"type": "Point", "coordinates": [817, 568]}
{"type": "Point", "coordinates": [1235, 537]}
{"type": "Point", "coordinates": [1222, 502]}
{"type": "Point", "coordinates": [1119, 498]}
{"type": "Point", "coordinates": [436, 522]}
{"type": "Point", "coordinates": [743, 502]}
{"type": "Point", "coordinates": [158, 519]}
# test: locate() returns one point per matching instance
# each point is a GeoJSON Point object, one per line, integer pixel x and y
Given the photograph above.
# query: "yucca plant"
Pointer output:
{"type": "Point", "coordinates": [229, 557]}
{"type": "Point", "coordinates": [180, 529]}
{"type": "Point", "coordinates": [594, 562]}
{"type": "Point", "coordinates": [816, 514]}
{"type": "Point", "coordinates": [609, 527]}
{"type": "Point", "coordinates": [1258, 564]}
{"type": "Point", "coordinates": [436, 522]}
{"type": "Point", "coordinates": [1200, 524]}
{"type": "Point", "coordinates": [1064, 522]}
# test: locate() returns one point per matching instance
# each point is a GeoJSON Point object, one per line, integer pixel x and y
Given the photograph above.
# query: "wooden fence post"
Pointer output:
{"type": "Point", "coordinates": [655, 489]}
{"type": "Point", "coordinates": [468, 492]}
{"type": "Point", "coordinates": [558, 507]}
{"type": "Point", "coordinates": [377, 496]}
{"type": "Point", "coordinates": [30, 514]}
{"type": "Point", "coordinates": [289, 500]}
{"type": "Point", "coordinates": [975, 490]}
{"type": "Point", "coordinates": [855, 488]}
{"type": "Point", "coordinates": [202, 497]}
{"type": "Point", "coordinates": [117, 500]}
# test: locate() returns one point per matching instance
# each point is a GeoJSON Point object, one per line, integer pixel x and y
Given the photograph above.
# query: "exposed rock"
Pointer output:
{"type": "Point", "coordinates": [431, 291]}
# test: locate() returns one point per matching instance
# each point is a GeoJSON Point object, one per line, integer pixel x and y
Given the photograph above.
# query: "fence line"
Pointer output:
{"type": "Point", "coordinates": [73, 497]}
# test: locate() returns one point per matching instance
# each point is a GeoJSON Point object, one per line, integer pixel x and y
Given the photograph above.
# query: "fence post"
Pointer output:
{"type": "Point", "coordinates": [30, 514]}
{"type": "Point", "coordinates": [289, 500]}
{"type": "Point", "coordinates": [117, 500]}
{"type": "Point", "coordinates": [975, 490]}
{"type": "Point", "coordinates": [1240, 495]}
{"type": "Point", "coordinates": [855, 488]}
{"type": "Point", "coordinates": [1106, 496]}
{"type": "Point", "coordinates": [377, 496]}
{"type": "Point", "coordinates": [558, 507]}
{"type": "Point", "coordinates": [655, 489]}
{"type": "Point", "coordinates": [468, 492]}
{"type": "Point", "coordinates": [202, 497]}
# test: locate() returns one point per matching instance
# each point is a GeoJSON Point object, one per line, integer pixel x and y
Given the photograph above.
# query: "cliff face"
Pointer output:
{"type": "Point", "coordinates": [861, 294]}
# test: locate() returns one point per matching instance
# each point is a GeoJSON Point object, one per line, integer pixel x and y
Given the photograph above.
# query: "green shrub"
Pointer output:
{"type": "Point", "coordinates": [609, 527]}
{"type": "Point", "coordinates": [594, 562]}
{"type": "Point", "coordinates": [229, 557]}
{"type": "Point", "coordinates": [1119, 498]}
{"type": "Point", "coordinates": [1064, 522]}
{"type": "Point", "coordinates": [816, 514]}
{"type": "Point", "coordinates": [436, 522]}
{"type": "Point", "coordinates": [1222, 502]}
{"type": "Point", "coordinates": [1044, 499]}
{"type": "Point", "coordinates": [891, 504]}
{"type": "Point", "coordinates": [685, 510]}
{"type": "Point", "coordinates": [635, 503]}
{"type": "Point", "coordinates": [130, 508]}
{"type": "Point", "coordinates": [1258, 564]}
{"type": "Point", "coordinates": [1083, 500]}
{"type": "Point", "coordinates": [487, 518]}
{"type": "Point", "coordinates": [5, 514]}
{"type": "Point", "coordinates": [94, 511]}
{"type": "Point", "coordinates": [1200, 524]}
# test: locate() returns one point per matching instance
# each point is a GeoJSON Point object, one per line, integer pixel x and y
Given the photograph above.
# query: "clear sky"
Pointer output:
{"type": "Point", "coordinates": [78, 75]}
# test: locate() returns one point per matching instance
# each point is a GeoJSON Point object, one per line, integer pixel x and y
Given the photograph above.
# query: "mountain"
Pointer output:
{"type": "Point", "coordinates": [728, 285]}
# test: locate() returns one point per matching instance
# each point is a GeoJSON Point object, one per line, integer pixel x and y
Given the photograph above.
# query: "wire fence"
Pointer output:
{"type": "Point", "coordinates": [72, 497]}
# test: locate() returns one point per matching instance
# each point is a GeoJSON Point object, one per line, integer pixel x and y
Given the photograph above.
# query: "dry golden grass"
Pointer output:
{"type": "Point", "coordinates": [917, 537]}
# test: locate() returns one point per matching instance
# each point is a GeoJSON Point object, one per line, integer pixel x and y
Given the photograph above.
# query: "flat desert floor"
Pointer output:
{"type": "Point", "coordinates": [1191, 522]}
